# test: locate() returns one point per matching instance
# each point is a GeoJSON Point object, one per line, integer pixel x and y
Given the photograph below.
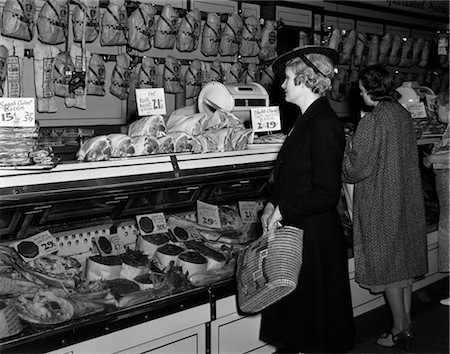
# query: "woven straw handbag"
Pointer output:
{"type": "Point", "coordinates": [268, 268]}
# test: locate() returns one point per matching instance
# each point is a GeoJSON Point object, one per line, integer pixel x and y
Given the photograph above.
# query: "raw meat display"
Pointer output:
{"type": "Point", "coordinates": [121, 145]}
{"type": "Point", "coordinates": [395, 49]}
{"type": "Point", "coordinates": [191, 262]}
{"type": "Point", "coordinates": [269, 41]}
{"type": "Point", "coordinates": [374, 49]}
{"type": "Point", "coordinates": [190, 124]}
{"type": "Point", "coordinates": [359, 48]}
{"type": "Point", "coordinates": [145, 145]}
{"type": "Point", "coordinates": [348, 44]}
{"type": "Point", "coordinates": [97, 148]}
{"type": "Point", "coordinates": [405, 59]}
{"type": "Point", "coordinates": [385, 45]}
{"type": "Point", "coordinates": [148, 126]}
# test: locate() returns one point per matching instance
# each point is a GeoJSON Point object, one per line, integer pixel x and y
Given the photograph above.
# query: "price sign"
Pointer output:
{"type": "Point", "coordinates": [151, 101]}
{"type": "Point", "coordinates": [249, 211]}
{"type": "Point", "coordinates": [265, 119]}
{"type": "Point", "coordinates": [108, 245]}
{"type": "Point", "coordinates": [17, 112]}
{"type": "Point", "coordinates": [194, 234]}
{"type": "Point", "coordinates": [208, 215]}
{"type": "Point", "coordinates": [417, 110]}
{"type": "Point", "coordinates": [36, 246]}
{"type": "Point", "coordinates": [152, 223]}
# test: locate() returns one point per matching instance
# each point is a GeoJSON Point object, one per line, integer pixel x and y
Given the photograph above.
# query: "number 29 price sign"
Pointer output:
{"type": "Point", "coordinates": [266, 119]}
{"type": "Point", "coordinates": [150, 101]}
{"type": "Point", "coordinates": [17, 112]}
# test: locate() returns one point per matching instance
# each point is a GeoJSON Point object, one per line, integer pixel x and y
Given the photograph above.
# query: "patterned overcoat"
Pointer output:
{"type": "Point", "coordinates": [389, 227]}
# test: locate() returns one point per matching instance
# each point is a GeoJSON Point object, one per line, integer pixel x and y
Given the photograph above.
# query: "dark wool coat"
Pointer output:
{"type": "Point", "coordinates": [389, 226]}
{"type": "Point", "coordinates": [317, 316]}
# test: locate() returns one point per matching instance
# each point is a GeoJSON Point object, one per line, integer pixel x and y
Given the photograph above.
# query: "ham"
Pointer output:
{"type": "Point", "coordinates": [269, 41]}
{"type": "Point", "coordinates": [18, 19]}
{"type": "Point", "coordinates": [417, 49]}
{"type": "Point", "coordinates": [192, 79]}
{"type": "Point", "coordinates": [188, 32]}
{"type": "Point", "coordinates": [121, 145]}
{"type": "Point", "coordinates": [215, 259]}
{"type": "Point", "coordinates": [183, 142]}
{"type": "Point", "coordinates": [191, 124]}
{"type": "Point", "coordinates": [142, 27]}
{"type": "Point", "coordinates": [211, 35]}
{"type": "Point", "coordinates": [86, 19]}
{"type": "Point", "coordinates": [339, 84]}
{"type": "Point", "coordinates": [385, 45]}
{"type": "Point", "coordinates": [97, 148]}
{"type": "Point", "coordinates": [232, 72]}
{"type": "Point", "coordinates": [96, 76]}
{"type": "Point", "coordinates": [192, 262]}
{"type": "Point", "coordinates": [231, 35]}
{"type": "Point", "coordinates": [267, 77]}
{"type": "Point", "coordinates": [145, 145]}
{"type": "Point", "coordinates": [335, 39]}
{"type": "Point", "coordinates": [393, 55]}
{"type": "Point", "coordinates": [425, 53]}
{"type": "Point", "coordinates": [405, 59]}
{"type": "Point", "coordinates": [120, 77]}
{"type": "Point", "coordinates": [166, 28]}
{"type": "Point", "coordinates": [114, 24]}
{"type": "Point", "coordinates": [78, 83]}
{"type": "Point", "coordinates": [374, 49]}
{"type": "Point", "coordinates": [148, 126]}
{"type": "Point", "coordinates": [251, 37]}
{"type": "Point", "coordinates": [359, 48]}
{"type": "Point", "coordinates": [251, 73]}
{"type": "Point", "coordinates": [347, 47]}
{"type": "Point", "coordinates": [223, 138]}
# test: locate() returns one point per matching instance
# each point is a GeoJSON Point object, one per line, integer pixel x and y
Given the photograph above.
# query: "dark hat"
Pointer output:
{"type": "Point", "coordinates": [279, 63]}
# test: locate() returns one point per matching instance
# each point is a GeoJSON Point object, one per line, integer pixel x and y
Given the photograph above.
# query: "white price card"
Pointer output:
{"type": "Point", "coordinates": [417, 110]}
{"type": "Point", "coordinates": [208, 215]}
{"type": "Point", "coordinates": [36, 246]}
{"type": "Point", "coordinates": [17, 112]}
{"type": "Point", "coordinates": [249, 211]}
{"type": "Point", "coordinates": [150, 101]}
{"type": "Point", "coordinates": [152, 223]}
{"type": "Point", "coordinates": [109, 245]}
{"type": "Point", "coordinates": [266, 119]}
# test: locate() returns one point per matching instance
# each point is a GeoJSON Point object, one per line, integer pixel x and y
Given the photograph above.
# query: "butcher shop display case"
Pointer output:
{"type": "Point", "coordinates": [77, 204]}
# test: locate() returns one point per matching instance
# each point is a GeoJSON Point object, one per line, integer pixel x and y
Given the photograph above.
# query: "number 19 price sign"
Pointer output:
{"type": "Point", "coordinates": [266, 119]}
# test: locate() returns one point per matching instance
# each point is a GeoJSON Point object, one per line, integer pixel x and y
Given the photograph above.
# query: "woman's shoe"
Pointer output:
{"type": "Point", "coordinates": [403, 338]}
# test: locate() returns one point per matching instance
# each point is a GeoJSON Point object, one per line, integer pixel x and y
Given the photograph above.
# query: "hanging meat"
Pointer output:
{"type": "Point", "coordinates": [251, 37]}
{"type": "Point", "coordinates": [96, 76]}
{"type": "Point", "coordinates": [215, 73]}
{"type": "Point", "coordinates": [303, 39]}
{"type": "Point", "coordinates": [393, 55]}
{"type": "Point", "coordinates": [359, 48]}
{"type": "Point", "coordinates": [63, 68]}
{"type": "Point", "coordinates": [417, 50]}
{"type": "Point", "coordinates": [44, 56]}
{"type": "Point", "coordinates": [188, 32]}
{"type": "Point", "coordinates": [232, 72]}
{"type": "Point", "coordinates": [114, 24]}
{"type": "Point", "coordinates": [121, 145]}
{"type": "Point", "coordinates": [172, 75]}
{"type": "Point", "coordinates": [97, 148]}
{"type": "Point", "coordinates": [3, 68]}
{"type": "Point", "coordinates": [335, 39]}
{"type": "Point", "coordinates": [188, 123]}
{"type": "Point", "coordinates": [18, 19]}
{"type": "Point", "coordinates": [374, 49]}
{"type": "Point", "coordinates": [142, 27]}
{"type": "Point", "coordinates": [147, 76]}
{"type": "Point", "coordinates": [405, 59]}
{"type": "Point", "coordinates": [251, 73]}
{"type": "Point", "coordinates": [269, 41]}
{"type": "Point", "coordinates": [192, 79]}
{"type": "Point", "coordinates": [211, 35]}
{"type": "Point", "coordinates": [78, 82]}
{"type": "Point", "coordinates": [348, 44]}
{"type": "Point", "coordinates": [120, 77]}
{"type": "Point", "coordinates": [267, 77]}
{"type": "Point", "coordinates": [425, 53]}
{"type": "Point", "coordinates": [385, 45]}
{"type": "Point", "coordinates": [166, 28]}
{"type": "Point", "coordinates": [148, 126]}
{"type": "Point", "coordinates": [184, 142]}
{"type": "Point", "coordinates": [339, 84]}
{"type": "Point", "coordinates": [231, 35]}
{"type": "Point", "coordinates": [52, 22]}
{"type": "Point", "coordinates": [86, 20]}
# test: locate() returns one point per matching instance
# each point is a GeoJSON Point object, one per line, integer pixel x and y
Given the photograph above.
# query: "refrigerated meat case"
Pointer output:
{"type": "Point", "coordinates": [78, 200]}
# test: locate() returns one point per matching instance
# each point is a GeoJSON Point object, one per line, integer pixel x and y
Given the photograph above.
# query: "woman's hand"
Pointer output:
{"type": "Point", "coordinates": [274, 219]}
{"type": "Point", "coordinates": [268, 210]}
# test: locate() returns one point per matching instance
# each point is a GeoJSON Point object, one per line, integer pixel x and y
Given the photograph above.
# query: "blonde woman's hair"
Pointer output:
{"type": "Point", "coordinates": [318, 83]}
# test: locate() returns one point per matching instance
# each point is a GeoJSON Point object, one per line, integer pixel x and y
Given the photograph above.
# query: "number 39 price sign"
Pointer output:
{"type": "Point", "coordinates": [266, 119]}
{"type": "Point", "coordinates": [17, 112]}
{"type": "Point", "coordinates": [151, 101]}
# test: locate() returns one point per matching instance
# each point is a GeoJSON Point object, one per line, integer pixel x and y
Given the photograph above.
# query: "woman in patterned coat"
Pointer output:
{"type": "Point", "coordinates": [389, 228]}
{"type": "Point", "coordinates": [317, 316]}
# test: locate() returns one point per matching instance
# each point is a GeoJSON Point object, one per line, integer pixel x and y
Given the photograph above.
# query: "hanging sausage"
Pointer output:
{"type": "Point", "coordinates": [114, 24]}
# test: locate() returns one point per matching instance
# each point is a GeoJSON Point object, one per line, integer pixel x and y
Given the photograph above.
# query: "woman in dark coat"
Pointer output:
{"type": "Point", "coordinates": [317, 316]}
{"type": "Point", "coordinates": [389, 228]}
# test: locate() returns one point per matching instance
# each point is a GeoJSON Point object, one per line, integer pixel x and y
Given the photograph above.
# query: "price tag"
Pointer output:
{"type": "Point", "coordinates": [266, 119]}
{"type": "Point", "coordinates": [36, 246]}
{"type": "Point", "coordinates": [249, 211]}
{"type": "Point", "coordinates": [417, 110]}
{"type": "Point", "coordinates": [193, 232]}
{"type": "Point", "coordinates": [108, 245]}
{"type": "Point", "coordinates": [17, 112]}
{"type": "Point", "coordinates": [152, 223]}
{"type": "Point", "coordinates": [151, 101]}
{"type": "Point", "coordinates": [208, 215]}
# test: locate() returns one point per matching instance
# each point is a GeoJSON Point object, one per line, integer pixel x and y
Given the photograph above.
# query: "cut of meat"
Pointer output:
{"type": "Point", "coordinates": [148, 244]}
{"type": "Point", "coordinates": [103, 268]}
{"type": "Point", "coordinates": [191, 262]}
{"type": "Point", "coordinates": [145, 145]}
{"type": "Point", "coordinates": [151, 125]}
{"type": "Point", "coordinates": [121, 145]}
{"type": "Point", "coordinates": [95, 149]}
{"type": "Point", "coordinates": [216, 260]}
{"type": "Point", "coordinates": [168, 254]}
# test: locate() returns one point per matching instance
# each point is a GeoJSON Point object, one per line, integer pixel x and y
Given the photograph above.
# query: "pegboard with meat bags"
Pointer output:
{"type": "Point", "coordinates": [74, 72]}
{"type": "Point", "coordinates": [409, 59]}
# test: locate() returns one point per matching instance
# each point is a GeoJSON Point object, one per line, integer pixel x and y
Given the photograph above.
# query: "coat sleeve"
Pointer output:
{"type": "Point", "coordinates": [327, 149]}
{"type": "Point", "coordinates": [360, 161]}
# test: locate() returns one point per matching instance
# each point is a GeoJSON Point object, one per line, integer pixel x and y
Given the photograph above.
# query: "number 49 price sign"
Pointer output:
{"type": "Point", "coordinates": [266, 119]}
{"type": "Point", "coordinates": [17, 112]}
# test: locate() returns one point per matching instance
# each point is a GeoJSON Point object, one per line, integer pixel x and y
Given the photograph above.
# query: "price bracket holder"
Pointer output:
{"type": "Point", "coordinates": [249, 211]}
{"type": "Point", "coordinates": [208, 215]}
{"type": "Point", "coordinates": [266, 119]}
{"type": "Point", "coordinates": [152, 223]}
{"type": "Point", "coordinates": [39, 245]}
{"type": "Point", "coordinates": [17, 112]}
{"type": "Point", "coordinates": [151, 101]}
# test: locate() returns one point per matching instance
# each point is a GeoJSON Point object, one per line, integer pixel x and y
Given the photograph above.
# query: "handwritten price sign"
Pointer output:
{"type": "Point", "coordinates": [152, 223]}
{"type": "Point", "coordinates": [17, 112]}
{"type": "Point", "coordinates": [208, 215]}
{"type": "Point", "coordinates": [151, 101]}
{"type": "Point", "coordinates": [265, 119]}
{"type": "Point", "coordinates": [36, 246]}
{"type": "Point", "coordinates": [249, 211]}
